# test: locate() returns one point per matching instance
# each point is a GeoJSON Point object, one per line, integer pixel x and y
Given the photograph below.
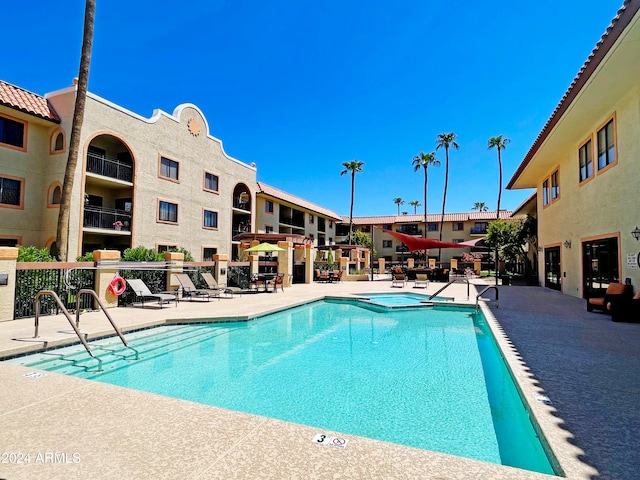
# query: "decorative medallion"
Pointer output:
{"type": "Point", "coordinates": [194, 127]}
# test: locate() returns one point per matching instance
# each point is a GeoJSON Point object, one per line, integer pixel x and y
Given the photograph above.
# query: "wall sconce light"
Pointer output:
{"type": "Point", "coordinates": [567, 244]}
{"type": "Point", "coordinates": [223, 271]}
{"type": "Point", "coordinates": [636, 233]}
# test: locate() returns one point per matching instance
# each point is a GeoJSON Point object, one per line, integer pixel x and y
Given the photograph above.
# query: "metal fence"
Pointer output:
{"type": "Point", "coordinates": [64, 279]}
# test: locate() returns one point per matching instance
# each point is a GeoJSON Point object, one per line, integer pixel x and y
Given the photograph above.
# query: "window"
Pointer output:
{"type": "Point", "coordinates": [167, 212]}
{"type": "Point", "coordinates": [555, 186]}
{"type": "Point", "coordinates": [458, 226]}
{"type": "Point", "coordinates": [311, 219]}
{"type": "Point", "coordinates": [433, 227]}
{"type": "Point", "coordinates": [210, 182]}
{"type": "Point", "coordinates": [387, 226]}
{"type": "Point", "coordinates": [162, 247]}
{"type": "Point", "coordinates": [268, 206]}
{"type": "Point", "coordinates": [54, 195]}
{"type": "Point", "coordinates": [585, 154]}
{"type": "Point", "coordinates": [169, 169]}
{"type": "Point", "coordinates": [12, 132]}
{"type": "Point", "coordinates": [10, 242]}
{"type": "Point", "coordinates": [58, 144]}
{"type": "Point", "coordinates": [458, 240]}
{"type": "Point", "coordinates": [268, 229]}
{"type": "Point", "coordinates": [208, 253]}
{"type": "Point", "coordinates": [387, 243]}
{"type": "Point", "coordinates": [606, 146]}
{"type": "Point", "coordinates": [210, 219]}
{"type": "Point", "coordinates": [545, 193]}
{"type": "Point", "coordinates": [11, 191]}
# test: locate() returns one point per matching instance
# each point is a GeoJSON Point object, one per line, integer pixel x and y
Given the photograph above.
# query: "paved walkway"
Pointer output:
{"type": "Point", "coordinates": [588, 366]}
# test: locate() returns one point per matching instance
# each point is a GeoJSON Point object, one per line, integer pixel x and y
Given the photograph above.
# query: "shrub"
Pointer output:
{"type": "Point", "coordinates": [33, 254]}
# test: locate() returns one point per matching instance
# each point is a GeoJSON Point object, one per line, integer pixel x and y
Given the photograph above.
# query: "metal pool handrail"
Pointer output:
{"type": "Point", "coordinates": [490, 287]}
{"type": "Point", "coordinates": [66, 314]}
{"type": "Point", "coordinates": [447, 285]}
{"type": "Point", "coordinates": [97, 299]}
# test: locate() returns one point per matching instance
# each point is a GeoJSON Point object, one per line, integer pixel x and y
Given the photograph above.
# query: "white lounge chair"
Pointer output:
{"type": "Point", "coordinates": [142, 291]}
{"type": "Point", "coordinates": [422, 281]}
{"type": "Point", "coordinates": [190, 291]}
{"type": "Point", "coordinates": [399, 280]}
{"type": "Point", "coordinates": [212, 284]}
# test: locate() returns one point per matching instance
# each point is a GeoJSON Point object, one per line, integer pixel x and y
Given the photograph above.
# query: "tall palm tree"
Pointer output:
{"type": "Point", "coordinates": [446, 141]}
{"type": "Point", "coordinates": [499, 143]}
{"type": "Point", "coordinates": [398, 201]}
{"type": "Point", "coordinates": [353, 166]}
{"type": "Point", "coordinates": [480, 207]}
{"type": "Point", "coordinates": [415, 204]}
{"type": "Point", "coordinates": [424, 160]}
{"type": "Point", "coordinates": [62, 232]}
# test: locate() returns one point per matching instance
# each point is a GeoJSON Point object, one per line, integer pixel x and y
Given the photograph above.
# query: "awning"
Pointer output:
{"type": "Point", "coordinates": [419, 243]}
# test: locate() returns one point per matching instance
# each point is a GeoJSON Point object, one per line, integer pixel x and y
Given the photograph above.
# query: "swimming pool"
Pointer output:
{"type": "Point", "coordinates": [401, 299]}
{"type": "Point", "coordinates": [428, 378]}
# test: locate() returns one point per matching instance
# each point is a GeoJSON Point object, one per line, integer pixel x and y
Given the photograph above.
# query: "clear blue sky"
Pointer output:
{"type": "Point", "coordinates": [299, 87]}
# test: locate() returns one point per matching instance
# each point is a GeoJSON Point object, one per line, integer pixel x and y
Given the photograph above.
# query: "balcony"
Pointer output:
{"type": "Point", "coordinates": [403, 249]}
{"type": "Point", "coordinates": [478, 230]}
{"type": "Point", "coordinates": [109, 167]}
{"type": "Point", "coordinates": [242, 203]}
{"type": "Point", "coordinates": [296, 221]}
{"type": "Point", "coordinates": [106, 219]}
{"type": "Point", "coordinates": [409, 231]}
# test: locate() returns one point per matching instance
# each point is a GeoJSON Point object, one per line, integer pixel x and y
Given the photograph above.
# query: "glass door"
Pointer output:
{"type": "Point", "coordinates": [552, 268]}
{"type": "Point", "coordinates": [599, 265]}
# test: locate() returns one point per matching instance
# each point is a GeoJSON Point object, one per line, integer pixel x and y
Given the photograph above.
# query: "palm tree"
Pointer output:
{"type": "Point", "coordinates": [480, 207]}
{"type": "Point", "coordinates": [398, 201]}
{"type": "Point", "coordinates": [62, 232]}
{"type": "Point", "coordinates": [446, 141]}
{"type": "Point", "coordinates": [353, 166]}
{"type": "Point", "coordinates": [499, 143]}
{"type": "Point", "coordinates": [415, 204]}
{"type": "Point", "coordinates": [424, 160]}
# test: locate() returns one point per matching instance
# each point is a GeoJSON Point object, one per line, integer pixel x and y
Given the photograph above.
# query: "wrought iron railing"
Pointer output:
{"type": "Point", "coordinates": [109, 167]}
{"type": "Point", "coordinates": [106, 218]}
{"type": "Point", "coordinates": [238, 275]}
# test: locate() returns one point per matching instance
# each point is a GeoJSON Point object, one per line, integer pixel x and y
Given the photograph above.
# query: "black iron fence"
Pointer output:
{"type": "Point", "coordinates": [109, 167]}
{"type": "Point", "coordinates": [238, 275]}
{"type": "Point", "coordinates": [106, 218]}
{"type": "Point", "coordinates": [64, 279]}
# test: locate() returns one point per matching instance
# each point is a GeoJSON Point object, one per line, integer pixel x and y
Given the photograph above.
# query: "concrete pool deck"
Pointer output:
{"type": "Point", "coordinates": [74, 428]}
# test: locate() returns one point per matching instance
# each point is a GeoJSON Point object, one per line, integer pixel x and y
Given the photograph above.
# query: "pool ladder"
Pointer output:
{"type": "Point", "coordinates": [486, 289]}
{"type": "Point", "coordinates": [75, 325]}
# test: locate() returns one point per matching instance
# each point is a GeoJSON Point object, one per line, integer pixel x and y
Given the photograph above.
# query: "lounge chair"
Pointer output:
{"type": "Point", "coordinates": [275, 281]}
{"type": "Point", "coordinates": [614, 292]}
{"type": "Point", "coordinates": [322, 275]}
{"type": "Point", "coordinates": [422, 281]}
{"type": "Point", "coordinates": [142, 291]}
{"type": "Point", "coordinates": [399, 280]}
{"type": "Point", "coordinates": [212, 284]}
{"type": "Point", "coordinates": [190, 291]}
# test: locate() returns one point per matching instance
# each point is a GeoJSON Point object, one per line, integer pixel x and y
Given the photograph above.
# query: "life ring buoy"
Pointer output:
{"type": "Point", "coordinates": [118, 285]}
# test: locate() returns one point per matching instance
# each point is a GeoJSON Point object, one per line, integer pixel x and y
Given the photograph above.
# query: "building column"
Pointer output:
{"type": "Point", "coordinates": [8, 257]}
{"type": "Point", "coordinates": [106, 269]}
{"type": "Point", "coordinates": [222, 261]}
{"type": "Point", "coordinates": [410, 262]}
{"type": "Point", "coordinates": [175, 264]}
{"type": "Point", "coordinates": [285, 262]}
{"type": "Point", "coordinates": [381, 266]}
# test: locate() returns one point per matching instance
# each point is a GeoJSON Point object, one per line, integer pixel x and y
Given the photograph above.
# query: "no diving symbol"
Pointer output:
{"type": "Point", "coordinates": [339, 442]}
{"type": "Point", "coordinates": [330, 440]}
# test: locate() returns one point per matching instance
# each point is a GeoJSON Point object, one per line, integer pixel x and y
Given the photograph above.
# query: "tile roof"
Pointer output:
{"type": "Point", "coordinates": [27, 102]}
{"type": "Point", "coordinates": [607, 41]}
{"type": "Point", "coordinates": [286, 197]}
{"type": "Point", "coordinates": [431, 218]}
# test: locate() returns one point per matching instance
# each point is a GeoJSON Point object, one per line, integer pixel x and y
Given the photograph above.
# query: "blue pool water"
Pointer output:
{"type": "Point", "coordinates": [429, 378]}
{"type": "Point", "coordinates": [394, 299]}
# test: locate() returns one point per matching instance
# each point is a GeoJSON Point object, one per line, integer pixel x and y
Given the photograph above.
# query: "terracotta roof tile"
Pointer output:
{"type": "Point", "coordinates": [27, 102]}
{"type": "Point", "coordinates": [286, 197]}
{"type": "Point", "coordinates": [431, 218]}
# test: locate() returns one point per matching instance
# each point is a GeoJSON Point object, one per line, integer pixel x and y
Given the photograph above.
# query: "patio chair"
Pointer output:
{"type": "Point", "coordinates": [322, 275]}
{"type": "Point", "coordinates": [142, 291]}
{"type": "Point", "coordinates": [190, 291]}
{"type": "Point", "coordinates": [625, 309]}
{"type": "Point", "coordinates": [614, 292]}
{"type": "Point", "coordinates": [336, 276]}
{"type": "Point", "coordinates": [399, 280]}
{"type": "Point", "coordinates": [275, 281]}
{"type": "Point", "coordinates": [422, 281]}
{"type": "Point", "coordinates": [212, 284]}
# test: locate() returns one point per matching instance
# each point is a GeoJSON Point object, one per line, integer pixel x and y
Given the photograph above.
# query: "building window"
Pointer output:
{"type": "Point", "coordinates": [208, 253]}
{"type": "Point", "coordinates": [311, 219]}
{"type": "Point", "coordinates": [458, 240]}
{"type": "Point", "coordinates": [210, 219]}
{"type": "Point", "coordinates": [54, 195]}
{"type": "Point", "coordinates": [606, 146]}
{"type": "Point", "coordinates": [167, 212]}
{"type": "Point", "coordinates": [330, 223]}
{"type": "Point", "coordinates": [11, 191]}
{"type": "Point", "coordinates": [210, 182]}
{"type": "Point", "coordinates": [555, 186]}
{"type": "Point", "coordinates": [268, 229]}
{"type": "Point", "coordinates": [168, 169]}
{"type": "Point", "coordinates": [545, 192]}
{"type": "Point", "coordinates": [268, 206]}
{"type": "Point", "coordinates": [12, 133]}
{"type": "Point", "coordinates": [9, 242]}
{"type": "Point", "coordinates": [433, 227]}
{"type": "Point", "coordinates": [585, 154]}
{"type": "Point", "coordinates": [458, 226]}
{"type": "Point", "coordinates": [165, 247]}
{"type": "Point", "coordinates": [387, 243]}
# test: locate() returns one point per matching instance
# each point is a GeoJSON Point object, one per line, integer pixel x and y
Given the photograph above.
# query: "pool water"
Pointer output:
{"type": "Point", "coordinates": [400, 299]}
{"type": "Point", "coordinates": [429, 378]}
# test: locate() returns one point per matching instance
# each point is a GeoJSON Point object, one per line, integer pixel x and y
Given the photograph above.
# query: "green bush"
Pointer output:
{"type": "Point", "coordinates": [87, 257]}
{"type": "Point", "coordinates": [33, 254]}
{"type": "Point", "coordinates": [142, 254]}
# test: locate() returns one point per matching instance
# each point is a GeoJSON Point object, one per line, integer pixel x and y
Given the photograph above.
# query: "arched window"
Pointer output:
{"type": "Point", "coordinates": [54, 196]}
{"type": "Point", "coordinates": [59, 143]}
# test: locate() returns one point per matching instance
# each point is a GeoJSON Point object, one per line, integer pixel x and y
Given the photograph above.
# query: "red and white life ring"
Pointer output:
{"type": "Point", "coordinates": [118, 285]}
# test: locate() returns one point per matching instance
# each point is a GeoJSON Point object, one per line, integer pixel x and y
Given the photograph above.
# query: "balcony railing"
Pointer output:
{"type": "Point", "coordinates": [109, 167]}
{"type": "Point", "coordinates": [242, 204]}
{"type": "Point", "coordinates": [106, 218]}
{"type": "Point", "coordinates": [478, 230]}
{"type": "Point", "coordinates": [409, 231]}
{"type": "Point", "coordinates": [295, 222]}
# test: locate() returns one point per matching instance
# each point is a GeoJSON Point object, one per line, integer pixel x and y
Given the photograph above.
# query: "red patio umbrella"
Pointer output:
{"type": "Point", "coordinates": [419, 243]}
